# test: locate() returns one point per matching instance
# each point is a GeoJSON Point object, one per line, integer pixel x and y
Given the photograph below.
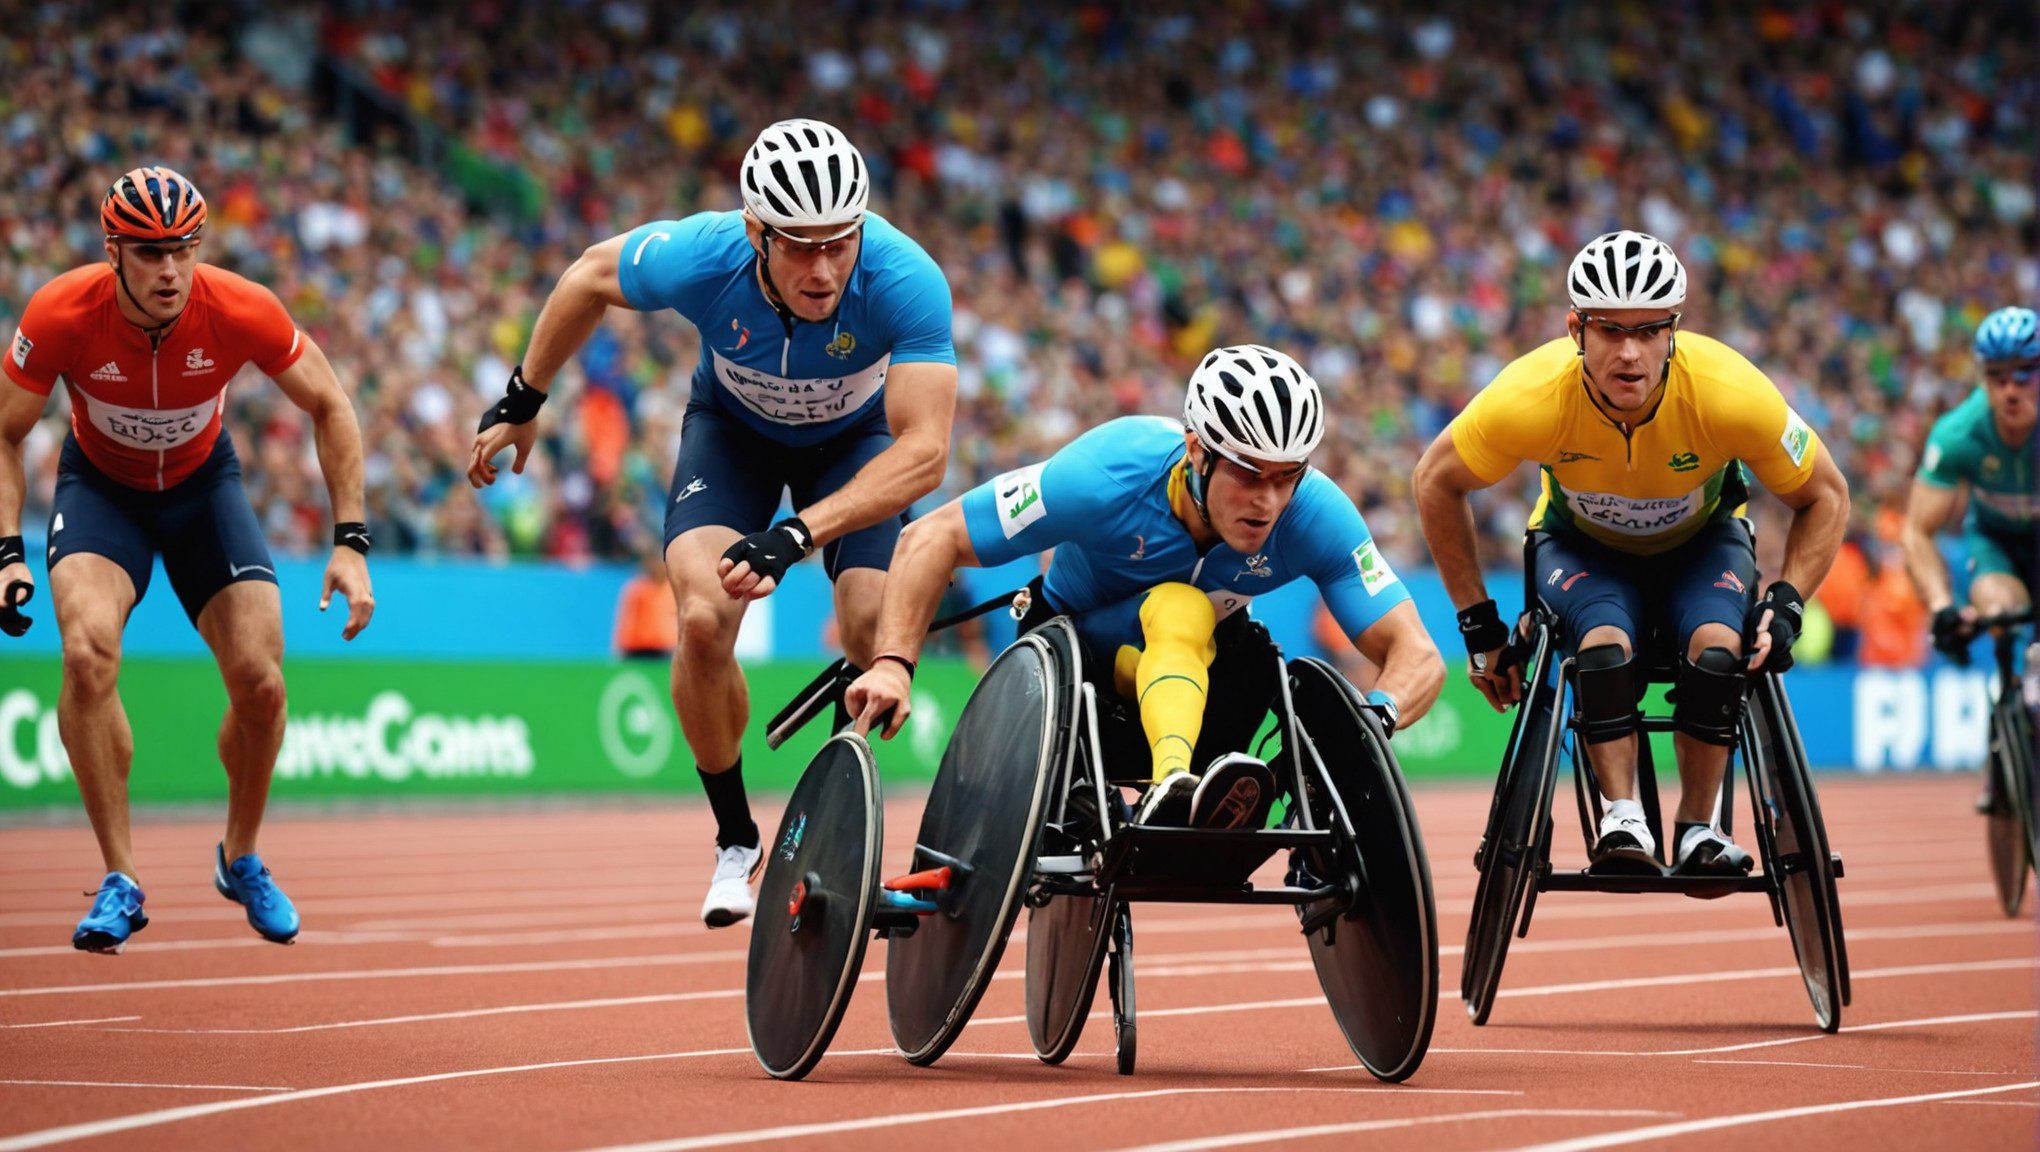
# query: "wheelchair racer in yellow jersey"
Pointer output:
{"type": "Point", "coordinates": [1645, 436]}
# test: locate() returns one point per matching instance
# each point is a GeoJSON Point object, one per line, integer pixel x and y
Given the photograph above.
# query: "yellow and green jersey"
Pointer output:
{"type": "Point", "coordinates": [1649, 489]}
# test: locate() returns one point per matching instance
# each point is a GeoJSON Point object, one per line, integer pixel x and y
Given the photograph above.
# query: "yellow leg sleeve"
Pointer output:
{"type": "Point", "coordinates": [1174, 671]}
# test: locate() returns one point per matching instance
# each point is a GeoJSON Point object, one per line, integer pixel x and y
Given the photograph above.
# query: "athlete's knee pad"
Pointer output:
{"type": "Point", "coordinates": [1606, 687]}
{"type": "Point", "coordinates": [1181, 618]}
{"type": "Point", "coordinates": [1707, 698]}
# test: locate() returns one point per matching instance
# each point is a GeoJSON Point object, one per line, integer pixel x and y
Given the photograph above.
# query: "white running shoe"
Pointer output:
{"type": "Point", "coordinates": [1625, 847]}
{"type": "Point", "coordinates": [729, 891]}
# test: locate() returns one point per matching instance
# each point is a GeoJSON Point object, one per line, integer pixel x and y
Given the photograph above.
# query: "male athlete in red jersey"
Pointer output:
{"type": "Point", "coordinates": [145, 344]}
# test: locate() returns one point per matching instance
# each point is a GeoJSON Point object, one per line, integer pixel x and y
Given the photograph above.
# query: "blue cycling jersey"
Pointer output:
{"type": "Point", "coordinates": [795, 382]}
{"type": "Point", "coordinates": [1102, 503]}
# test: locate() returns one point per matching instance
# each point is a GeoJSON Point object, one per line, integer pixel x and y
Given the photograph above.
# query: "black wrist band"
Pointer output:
{"type": "Point", "coordinates": [801, 535]}
{"type": "Point", "coordinates": [519, 405]}
{"type": "Point", "coordinates": [1481, 627]}
{"type": "Point", "coordinates": [12, 551]}
{"type": "Point", "coordinates": [902, 661]}
{"type": "Point", "coordinates": [352, 534]}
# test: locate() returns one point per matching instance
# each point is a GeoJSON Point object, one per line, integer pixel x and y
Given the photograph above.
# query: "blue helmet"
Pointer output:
{"type": "Point", "coordinates": [2008, 334]}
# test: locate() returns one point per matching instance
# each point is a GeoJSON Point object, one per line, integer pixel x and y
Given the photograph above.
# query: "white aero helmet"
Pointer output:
{"type": "Point", "coordinates": [1250, 400]}
{"type": "Point", "coordinates": [1626, 270]}
{"type": "Point", "coordinates": [804, 173]}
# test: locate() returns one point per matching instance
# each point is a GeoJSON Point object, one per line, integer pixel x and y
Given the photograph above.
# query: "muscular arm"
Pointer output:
{"type": "Point", "coordinates": [1411, 669]}
{"type": "Point", "coordinates": [1820, 515]}
{"type": "Point", "coordinates": [1442, 482]}
{"type": "Point", "coordinates": [587, 289]}
{"type": "Point", "coordinates": [1926, 513]}
{"type": "Point", "coordinates": [920, 402]}
{"type": "Point", "coordinates": [311, 384]}
{"type": "Point", "coordinates": [19, 410]}
{"type": "Point", "coordinates": [929, 553]}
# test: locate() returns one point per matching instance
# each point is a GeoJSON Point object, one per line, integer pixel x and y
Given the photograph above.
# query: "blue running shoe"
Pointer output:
{"type": "Point", "coordinates": [116, 914]}
{"type": "Point", "coordinates": [246, 882]}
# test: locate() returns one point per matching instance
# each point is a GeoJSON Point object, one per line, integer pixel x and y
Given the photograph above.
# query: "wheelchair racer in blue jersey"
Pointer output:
{"type": "Point", "coordinates": [1163, 534]}
{"type": "Point", "coordinates": [827, 369]}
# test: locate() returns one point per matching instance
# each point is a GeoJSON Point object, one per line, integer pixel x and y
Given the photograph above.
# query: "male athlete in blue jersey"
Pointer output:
{"type": "Point", "coordinates": [826, 368]}
{"type": "Point", "coordinates": [1162, 534]}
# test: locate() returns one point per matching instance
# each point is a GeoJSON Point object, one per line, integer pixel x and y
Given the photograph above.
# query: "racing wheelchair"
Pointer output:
{"type": "Point", "coordinates": [2007, 803]}
{"type": "Point", "coordinates": [1798, 870]}
{"type": "Point", "coordinates": [1025, 813]}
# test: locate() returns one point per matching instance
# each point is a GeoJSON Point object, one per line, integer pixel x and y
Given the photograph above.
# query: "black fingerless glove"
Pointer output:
{"type": "Point", "coordinates": [1787, 609]}
{"type": "Point", "coordinates": [1482, 628]}
{"type": "Point", "coordinates": [519, 405]}
{"type": "Point", "coordinates": [19, 592]}
{"type": "Point", "coordinates": [771, 552]}
{"type": "Point", "coordinates": [1952, 635]}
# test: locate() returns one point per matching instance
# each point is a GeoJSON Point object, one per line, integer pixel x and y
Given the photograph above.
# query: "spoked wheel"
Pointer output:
{"type": "Point", "coordinates": [983, 818]}
{"type": "Point", "coordinates": [1796, 851]}
{"type": "Point", "coordinates": [1125, 1038]}
{"type": "Point", "coordinates": [815, 909]}
{"type": "Point", "coordinates": [1510, 855]}
{"type": "Point", "coordinates": [2009, 816]}
{"type": "Point", "coordinates": [1377, 960]}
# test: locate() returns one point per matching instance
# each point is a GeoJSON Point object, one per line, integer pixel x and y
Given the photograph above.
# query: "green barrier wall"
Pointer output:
{"type": "Point", "coordinates": [369, 728]}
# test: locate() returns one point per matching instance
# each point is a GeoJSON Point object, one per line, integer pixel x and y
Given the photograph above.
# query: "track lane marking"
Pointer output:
{"type": "Point", "coordinates": [1274, 1135]}
{"type": "Point", "coordinates": [1716, 1123]}
{"type": "Point", "coordinates": [65, 1023]}
{"type": "Point", "coordinates": [1853, 1029]}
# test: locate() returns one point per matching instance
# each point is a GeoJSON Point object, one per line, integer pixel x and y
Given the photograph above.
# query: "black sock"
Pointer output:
{"type": "Point", "coordinates": [733, 823]}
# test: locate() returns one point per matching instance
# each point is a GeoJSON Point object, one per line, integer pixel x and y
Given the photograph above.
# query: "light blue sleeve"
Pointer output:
{"type": "Point", "coordinates": [1342, 559]}
{"type": "Point", "coordinates": [1032, 509]}
{"type": "Point", "coordinates": [917, 294]}
{"type": "Point", "coordinates": [664, 263]}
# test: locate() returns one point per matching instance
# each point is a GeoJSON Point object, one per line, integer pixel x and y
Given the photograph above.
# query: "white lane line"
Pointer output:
{"type": "Point", "coordinates": [762, 1136]}
{"type": "Point", "coordinates": [63, 1023]}
{"type": "Point", "coordinates": [1851, 1030]}
{"type": "Point", "coordinates": [1716, 1123]}
{"type": "Point", "coordinates": [467, 1014]}
{"type": "Point", "coordinates": [1860, 1068]}
{"type": "Point", "coordinates": [1273, 1135]}
{"type": "Point", "coordinates": [43, 1138]}
{"type": "Point", "coordinates": [129, 1084]}
{"type": "Point", "coordinates": [655, 960]}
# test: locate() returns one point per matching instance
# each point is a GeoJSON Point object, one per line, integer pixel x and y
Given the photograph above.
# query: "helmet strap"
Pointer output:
{"type": "Point", "coordinates": [778, 302]}
{"type": "Point", "coordinates": [1198, 482]}
{"type": "Point", "coordinates": [152, 331]}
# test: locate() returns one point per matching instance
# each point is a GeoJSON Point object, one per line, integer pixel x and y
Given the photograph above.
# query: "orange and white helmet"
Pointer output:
{"type": "Point", "coordinates": [152, 204]}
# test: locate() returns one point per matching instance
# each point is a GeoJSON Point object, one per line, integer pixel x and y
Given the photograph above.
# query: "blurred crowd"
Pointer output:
{"type": "Point", "coordinates": [1389, 192]}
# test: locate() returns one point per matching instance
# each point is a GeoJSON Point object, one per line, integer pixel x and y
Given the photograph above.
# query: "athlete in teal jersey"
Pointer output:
{"type": "Point", "coordinates": [1984, 447]}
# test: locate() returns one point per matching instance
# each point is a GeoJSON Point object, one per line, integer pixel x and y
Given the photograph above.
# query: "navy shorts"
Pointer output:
{"type": "Point", "coordinates": [1706, 580]}
{"type": "Point", "coordinates": [730, 475]}
{"type": "Point", "coordinates": [204, 528]}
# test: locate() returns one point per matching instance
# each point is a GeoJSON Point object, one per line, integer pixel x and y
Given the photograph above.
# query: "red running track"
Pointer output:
{"type": "Point", "coordinates": [540, 981]}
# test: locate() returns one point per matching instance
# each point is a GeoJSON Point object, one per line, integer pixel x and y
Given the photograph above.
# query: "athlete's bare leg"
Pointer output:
{"type": "Point", "coordinates": [858, 592]}
{"type": "Point", "coordinates": [93, 596]}
{"type": "Point", "coordinates": [243, 625]}
{"type": "Point", "coordinates": [709, 693]}
{"type": "Point", "coordinates": [1701, 764]}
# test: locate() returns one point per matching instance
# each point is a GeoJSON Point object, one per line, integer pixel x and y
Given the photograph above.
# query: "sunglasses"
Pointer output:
{"type": "Point", "coordinates": [831, 245]}
{"type": "Point", "coordinates": [1609, 328]}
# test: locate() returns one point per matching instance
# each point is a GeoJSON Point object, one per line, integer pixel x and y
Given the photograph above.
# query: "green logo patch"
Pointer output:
{"type": "Point", "coordinates": [1684, 461]}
